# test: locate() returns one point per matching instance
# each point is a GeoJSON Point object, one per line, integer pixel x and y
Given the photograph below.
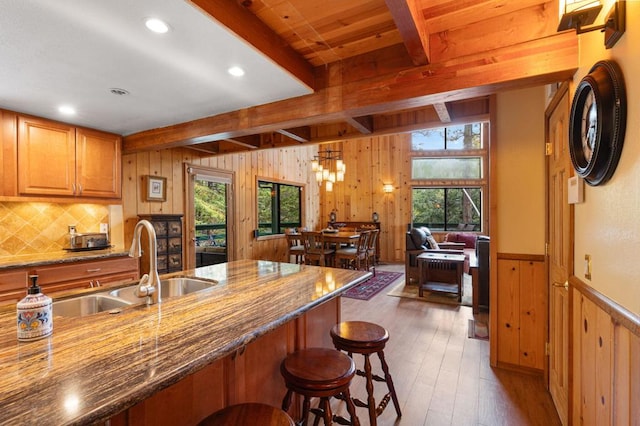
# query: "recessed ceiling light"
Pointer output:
{"type": "Point", "coordinates": [236, 71]}
{"type": "Point", "coordinates": [156, 25]}
{"type": "Point", "coordinates": [67, 110]}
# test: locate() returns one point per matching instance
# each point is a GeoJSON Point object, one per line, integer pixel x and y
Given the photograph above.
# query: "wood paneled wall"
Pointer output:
{"type": "Point", "coordinates": [290, 164]}
{"type": "Point", "coordinates": [606, 360]}
{"type": "Point", "coordinates": [371, 163]}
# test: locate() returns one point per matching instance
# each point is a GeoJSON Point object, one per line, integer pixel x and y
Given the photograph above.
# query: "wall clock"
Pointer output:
{"type": "Point", "coordinates": [597, 124]}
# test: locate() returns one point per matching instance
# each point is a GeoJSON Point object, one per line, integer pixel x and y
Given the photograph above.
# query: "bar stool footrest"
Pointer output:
{"type": "Point", "coordinates": [341, 420]}
{"type": "Point", "coordinates": [359, 403]}
{"type": "Point", "coordinates": [383, 403]}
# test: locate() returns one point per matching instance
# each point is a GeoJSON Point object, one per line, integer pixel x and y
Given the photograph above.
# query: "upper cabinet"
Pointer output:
{"type": "Point", "coordinates": [98, 164]}
{"type": "Point", "coordinates": [56, 159]}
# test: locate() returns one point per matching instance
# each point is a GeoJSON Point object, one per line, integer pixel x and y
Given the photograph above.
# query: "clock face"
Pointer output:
{"type": "Point", "coordinates": [589, 126]}
{"type": "Point", "coordinates": [597, 123]}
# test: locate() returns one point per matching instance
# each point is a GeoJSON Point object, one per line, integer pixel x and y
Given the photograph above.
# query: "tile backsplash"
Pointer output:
{"type": "Point", "coordinates": [32, 228]}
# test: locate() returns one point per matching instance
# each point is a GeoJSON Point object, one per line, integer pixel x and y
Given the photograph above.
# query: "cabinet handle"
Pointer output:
{"type": "Point", "coordinates": [80, 189]}
{"type": "Point", "coordinates": [97, 283]}
{"type": "Point", "coordinates": [73, 187]}
{"type": "Point", "coordinates": [94, 270]}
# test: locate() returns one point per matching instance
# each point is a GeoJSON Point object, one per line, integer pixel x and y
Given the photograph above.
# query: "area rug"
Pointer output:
{"type": "Point", "coordinates": [411, 292]}
{"type": "Point", "coordinates": [478, 330]}
{"type": "Point", "coordinates": [372, 286]}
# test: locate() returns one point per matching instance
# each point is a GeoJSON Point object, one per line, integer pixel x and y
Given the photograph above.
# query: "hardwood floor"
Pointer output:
{"type": "Point", "coordinates": [442, 377]}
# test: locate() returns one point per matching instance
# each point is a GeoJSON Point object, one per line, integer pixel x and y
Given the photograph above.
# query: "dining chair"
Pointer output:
{"type": "Point", "coordinates": [315, 249]}
{"type": "Point", "coordinates": [354, 257]}
{"type": "Point", "coordinates": [294, 245]}
{"type": "Point", "coordinates": [371, 250]}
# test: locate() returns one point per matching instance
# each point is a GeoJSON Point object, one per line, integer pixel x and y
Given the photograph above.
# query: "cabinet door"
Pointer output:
{"type": "Point", "coordinates": [508, 311]}
{"type": "Point", "coordinates": [98, 164]}
{"type": "Point", "coordinates": [533, 312]}
{"type": "Point", "coordinates": [82, 274]}
{"type": "Point", "coordinates": [13, 285]}
{"type": "Point", "coordinates": [8, 153]}
{"type": "Point", "coordinates": [46, 157]}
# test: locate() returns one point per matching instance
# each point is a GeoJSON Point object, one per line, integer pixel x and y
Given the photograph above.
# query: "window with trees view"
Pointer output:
{"type": "Point", "coordinates": [448, 168]}
{"type": "Point", "coordinates": [279, 207]}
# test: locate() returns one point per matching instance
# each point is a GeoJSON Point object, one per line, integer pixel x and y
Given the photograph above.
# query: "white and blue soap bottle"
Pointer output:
{"type": "Point", "coordinates": [35, 314]}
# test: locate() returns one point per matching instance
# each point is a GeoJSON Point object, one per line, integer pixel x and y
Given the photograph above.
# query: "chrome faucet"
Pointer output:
{"type": "Point", "coordinates": [149, 285]}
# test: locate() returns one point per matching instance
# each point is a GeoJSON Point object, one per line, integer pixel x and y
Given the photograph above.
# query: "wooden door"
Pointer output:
{"type": "Point", "coordinates": [99, 160]}
{"type": "Point", "coordinates": [46, 157]}
{"type": "Point", "coordinates": [559, 232]}
{"type": "Point", "coordinates": [191, 173]}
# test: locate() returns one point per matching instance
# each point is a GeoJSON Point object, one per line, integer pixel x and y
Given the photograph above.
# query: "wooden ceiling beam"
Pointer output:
{"type": "Point", "coordinates": [251, 142]}
{"type": "Point", "coordinates": [248, 27]}
{"type": "Point", "coordinates": [362, 124]}
{"type": "Point", "coordinates": [412, 29]}
{"type": "Point", "coordinates": [443, 112]}
{"type": "Point", "coordinates": [299, 134]}
{"type": "Point", "coordinates": [537, 62]}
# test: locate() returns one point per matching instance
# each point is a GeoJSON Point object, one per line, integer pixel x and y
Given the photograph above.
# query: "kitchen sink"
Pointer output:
{"type": "Point", "coordinates": [170, 287]}
{"type": "Point", "coordinates": [88, 305]}
{"type": "Point", "coordinates": [119, 298]}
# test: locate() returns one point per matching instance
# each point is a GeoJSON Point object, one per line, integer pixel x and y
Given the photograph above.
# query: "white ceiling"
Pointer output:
{"type": "Point", "coordinates": [71, 52]}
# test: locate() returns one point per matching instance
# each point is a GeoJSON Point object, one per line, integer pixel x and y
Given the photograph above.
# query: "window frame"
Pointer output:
{"type": "Point", "coordinates": [482, 183]}
{"type": "Point", "coordinates": [278, 182]}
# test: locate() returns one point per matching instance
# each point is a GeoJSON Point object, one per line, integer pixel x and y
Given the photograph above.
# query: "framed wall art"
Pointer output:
{"type": "Point", "coordinates": [156, 188]}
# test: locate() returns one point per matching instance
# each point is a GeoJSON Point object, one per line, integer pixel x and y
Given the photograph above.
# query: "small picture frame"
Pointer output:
{"type": "Point", "coordinates": [156, 188]}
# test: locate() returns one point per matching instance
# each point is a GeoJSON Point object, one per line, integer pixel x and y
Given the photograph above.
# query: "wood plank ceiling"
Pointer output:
{"type": "Point", "coordinates": [377, 67]}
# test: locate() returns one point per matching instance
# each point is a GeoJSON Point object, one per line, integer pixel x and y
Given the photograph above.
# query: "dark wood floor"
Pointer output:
{"type": "Point", "coordinates": [443, 377]}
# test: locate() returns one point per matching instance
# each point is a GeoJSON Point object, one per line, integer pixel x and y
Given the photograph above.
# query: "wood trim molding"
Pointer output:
{"type": "Point", "coordinates": [521, 256]}
{"type": "Point", "coordinates": [618, 313]}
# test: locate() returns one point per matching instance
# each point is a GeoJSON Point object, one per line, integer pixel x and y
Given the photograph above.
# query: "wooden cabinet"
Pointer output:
{"type": "Point", "coordinates": [521, 312]}
{"type": "Point", "coordinates": [98, 164]}
{"type": "Point", "coordinates": [8, 153]}
{"type": "Point", "coordinates": [13, 285]}
{"type": "Point", "coordinates": [251, 374]}
{"type": "Point", "coordinates": [86, 274]}
{"type": "Point", "coordinates": [56, 159]}
{"type": "Point", "coordinates": [168, 229]}
{"type": "Point", "coordinates": [67, 276]}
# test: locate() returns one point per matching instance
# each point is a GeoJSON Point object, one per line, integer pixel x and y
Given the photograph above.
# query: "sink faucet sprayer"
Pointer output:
{"type": "Point", "coordinates": [149, 285]}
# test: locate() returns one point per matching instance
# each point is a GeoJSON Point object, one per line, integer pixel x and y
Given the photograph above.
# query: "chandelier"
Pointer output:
{"type": "Point", "coordinates": [328, 167]}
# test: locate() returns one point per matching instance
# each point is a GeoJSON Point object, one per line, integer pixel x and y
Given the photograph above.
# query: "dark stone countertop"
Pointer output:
{"type": "Point", "coordinates": [94, 367]}
{"type": "Point", "coordinates": [58, 257]}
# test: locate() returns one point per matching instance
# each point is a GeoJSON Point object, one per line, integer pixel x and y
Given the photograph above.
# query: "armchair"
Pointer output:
{"type": "Point", "coordinates": [420, 240]}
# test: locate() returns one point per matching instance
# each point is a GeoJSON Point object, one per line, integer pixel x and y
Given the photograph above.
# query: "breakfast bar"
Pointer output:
{"type": "Point", "coordinates": [137, 363]}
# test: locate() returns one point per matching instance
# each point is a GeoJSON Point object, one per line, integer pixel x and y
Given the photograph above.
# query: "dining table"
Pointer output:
{"type": "Point", "coordinates": [341, 237]}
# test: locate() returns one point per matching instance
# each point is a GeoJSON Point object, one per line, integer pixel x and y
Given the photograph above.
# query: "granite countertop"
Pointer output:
{"type": "Point", "coordinates": [30, 260]}
{"type": "Point", "coordinates": [93, 367]}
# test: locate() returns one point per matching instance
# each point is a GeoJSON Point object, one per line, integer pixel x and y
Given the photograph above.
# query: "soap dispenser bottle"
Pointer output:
{"type": "Point", "coordinates": [35, 313]}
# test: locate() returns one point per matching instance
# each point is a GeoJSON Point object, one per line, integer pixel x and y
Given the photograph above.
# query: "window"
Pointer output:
{"type": "Point", "coordinates": [448, 169]}
{"type": "Point", "coordinates": [447, 209]}
{"type": "Point", "coordinates": [279, 207]}
{"type": "Point", "coordinates": [463, 137]}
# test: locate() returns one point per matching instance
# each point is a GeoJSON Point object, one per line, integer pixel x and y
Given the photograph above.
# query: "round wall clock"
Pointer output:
{"type": "Point", "coordinates": [597, 124]}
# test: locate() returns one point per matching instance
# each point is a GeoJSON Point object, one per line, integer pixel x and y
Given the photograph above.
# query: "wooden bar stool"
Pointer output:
{"type": "Point", "coordinates": [366, 338]}
{"type": "Point", "coordinates": [319, 373]}
{"type": "Point", "coordinates": [248, 414]}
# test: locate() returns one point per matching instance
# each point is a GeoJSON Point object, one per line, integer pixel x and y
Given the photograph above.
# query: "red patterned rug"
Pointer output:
{"type": "Point", "coordinates": [372, 286]}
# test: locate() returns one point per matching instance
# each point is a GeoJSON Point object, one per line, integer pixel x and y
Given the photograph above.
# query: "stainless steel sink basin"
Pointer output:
{"type": "Point", "coordinates": [170, 287]}
{"type": "Point", "coordinates": [88, 305]}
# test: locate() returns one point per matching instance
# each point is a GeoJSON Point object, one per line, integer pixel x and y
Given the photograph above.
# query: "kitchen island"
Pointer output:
{"type": "Point", "coordinates": [131, 365]}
